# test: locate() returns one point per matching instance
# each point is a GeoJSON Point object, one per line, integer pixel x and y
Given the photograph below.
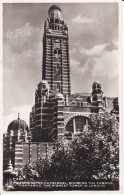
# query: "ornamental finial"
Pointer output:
{"type": "Point", "coordinates": [18, 116]}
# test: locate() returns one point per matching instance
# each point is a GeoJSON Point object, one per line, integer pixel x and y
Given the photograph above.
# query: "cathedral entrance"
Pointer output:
{"type": "Point", "coordinates": [76, 125]}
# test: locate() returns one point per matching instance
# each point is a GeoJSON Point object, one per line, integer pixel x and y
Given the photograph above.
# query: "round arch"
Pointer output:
{"type": "Point", "coordinates": [71, 117]}
{"type": "Point", "coordinates": [76, 124]}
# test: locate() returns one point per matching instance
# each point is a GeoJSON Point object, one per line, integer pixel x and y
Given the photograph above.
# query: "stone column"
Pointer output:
{"type": "Point", "coordinates": [74, 126]}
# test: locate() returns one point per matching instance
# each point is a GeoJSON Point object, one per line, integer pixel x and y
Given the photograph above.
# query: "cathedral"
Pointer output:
{"type": "Point", "coordinates": [56, 113]}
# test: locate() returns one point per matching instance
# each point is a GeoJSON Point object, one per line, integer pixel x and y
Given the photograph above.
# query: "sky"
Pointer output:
{"type": "Point", "coordinates": [93, 42]}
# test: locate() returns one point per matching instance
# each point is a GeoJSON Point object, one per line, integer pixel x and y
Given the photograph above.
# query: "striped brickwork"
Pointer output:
{"type": "Point", "coordinates": [56, 62]}
{"type": "Point", "coordinates": [12, 145]}
{"type": "Point", "coordinates": [31, 152]}
{"type": "Point", "coordinates": [18, 155]}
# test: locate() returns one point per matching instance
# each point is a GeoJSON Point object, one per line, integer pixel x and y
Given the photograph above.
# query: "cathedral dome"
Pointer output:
{"type": "Point", "coordinates": [53, 7]}
{"type": "Point", "coordinates": [17, 124]}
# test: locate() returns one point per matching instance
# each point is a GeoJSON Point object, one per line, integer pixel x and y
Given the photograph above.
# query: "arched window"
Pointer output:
{"type": "Point", "coordinates": [57, 53]}
{"type": "Point", "coordinates": [76, 124]}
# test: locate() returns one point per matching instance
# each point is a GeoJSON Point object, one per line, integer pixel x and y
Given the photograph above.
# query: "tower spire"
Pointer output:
{"type": "Point", "coordinates": [56, 62]}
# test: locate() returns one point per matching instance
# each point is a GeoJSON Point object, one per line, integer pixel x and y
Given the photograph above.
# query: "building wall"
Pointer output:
{"type": "Point", "coordinates": [9, 141]}
{"type": "Point", "coordinates": [32, 151]}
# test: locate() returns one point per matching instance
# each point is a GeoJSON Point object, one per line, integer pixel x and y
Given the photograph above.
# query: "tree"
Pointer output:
{"type": "Point", "coordinates": [94, 154]}
{"type": "Point", "coordinates": [30, 171]}
{"type": "Point", "coordinates": [105, 129]}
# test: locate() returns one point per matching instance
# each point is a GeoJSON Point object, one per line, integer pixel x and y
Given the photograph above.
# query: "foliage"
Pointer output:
{"type": "Point", "coordinates": [92, 155]}
{"type": "Point", "coordinates": [106, 139]}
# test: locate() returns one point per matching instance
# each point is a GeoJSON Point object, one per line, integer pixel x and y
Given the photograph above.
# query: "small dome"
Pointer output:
{"type": "Point", "coordinates": [96, 85]}
{"type": "Point", "coordinates": [54, 6]}
{"type": "Point", "coordinates": [59, 95]}
{"type": "Point", "coordinates": [97, 82]}
{"type": "Point", "coordinates": [44, 82]}
{"type": "Point", "coordinates": [17, 124]}
{"type": "Point", "coordinates": [43, 85]}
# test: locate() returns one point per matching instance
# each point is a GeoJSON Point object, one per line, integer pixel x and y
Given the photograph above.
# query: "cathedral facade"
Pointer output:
{"type": "Point", "coordinates": [57, 113]}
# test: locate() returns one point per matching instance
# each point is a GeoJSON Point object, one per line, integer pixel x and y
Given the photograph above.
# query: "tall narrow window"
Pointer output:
{"type": "Point", "coordinates": [57, 66]}
{"type": "Point", "coordinates": [58, 86]}
{"type": "Point", "coordinates": [57, 53]}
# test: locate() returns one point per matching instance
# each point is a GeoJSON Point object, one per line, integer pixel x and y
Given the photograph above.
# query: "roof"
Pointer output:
{"type": "Point", "coordinates": [86, 96]}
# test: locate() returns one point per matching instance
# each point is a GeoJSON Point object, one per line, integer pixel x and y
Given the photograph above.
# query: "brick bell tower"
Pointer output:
{"type": "Point", "coordinates": [56, 64]}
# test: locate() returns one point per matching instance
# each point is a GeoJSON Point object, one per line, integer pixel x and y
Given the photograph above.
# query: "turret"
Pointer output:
{"type": "Point", "coordinates": [41, 96]}
{"type": "Point", "coordinates": [42, 93]}
{"type": "Point", "coordinates": [97, 96]}
{"type": "Point", "coordinates": [17, 131]}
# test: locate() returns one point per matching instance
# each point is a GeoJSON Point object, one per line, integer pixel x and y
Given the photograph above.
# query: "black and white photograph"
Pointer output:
{"type": "Point", "coordinates": [61, 96]}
